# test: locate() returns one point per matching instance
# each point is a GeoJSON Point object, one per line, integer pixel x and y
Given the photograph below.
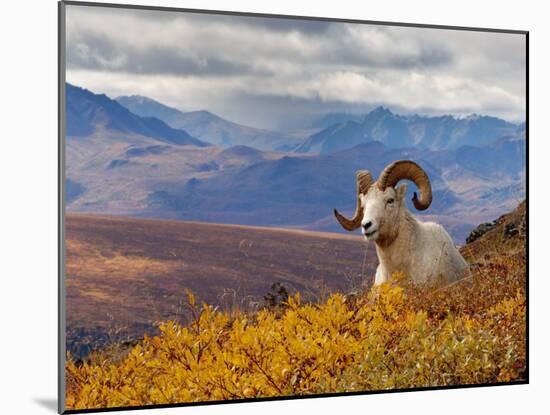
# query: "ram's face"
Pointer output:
{"type": "Point", "coordinates": [381, 211]}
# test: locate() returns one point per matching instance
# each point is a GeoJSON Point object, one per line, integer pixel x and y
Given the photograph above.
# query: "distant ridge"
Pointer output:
{"type": "Point", "coordinates": [398, 131]}
{"type": "Point", "coordinates": [148, 107]}
{"type": "Point", "coordinates": [87, 112]}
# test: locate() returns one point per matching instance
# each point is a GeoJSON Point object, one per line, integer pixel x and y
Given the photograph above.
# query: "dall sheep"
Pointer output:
{"type": "Point", "coordinates": [424, 251]}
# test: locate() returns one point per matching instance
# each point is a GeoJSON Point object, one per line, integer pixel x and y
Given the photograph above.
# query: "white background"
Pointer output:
{"type": "Point", "coordinates": [28, 205]}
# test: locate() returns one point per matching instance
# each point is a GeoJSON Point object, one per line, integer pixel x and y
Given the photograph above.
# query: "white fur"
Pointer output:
{"type": "Point", "coordinates": [423, 251]}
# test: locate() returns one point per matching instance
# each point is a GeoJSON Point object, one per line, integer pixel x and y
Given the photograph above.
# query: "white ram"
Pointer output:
{"type": "Point", "coordinates": [424, 251]}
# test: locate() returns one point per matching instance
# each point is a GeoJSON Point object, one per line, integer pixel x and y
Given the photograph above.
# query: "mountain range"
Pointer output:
{"type": "Point", "coordinates": [434, 133]}
{"type": "Point", "coordinates": [129, 157]}
{"type": "Point", "coordinates": [335, 131]}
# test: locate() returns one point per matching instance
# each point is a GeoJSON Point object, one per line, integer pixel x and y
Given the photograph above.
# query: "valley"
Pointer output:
{"type": "Point", "coordinates": [124, 274]}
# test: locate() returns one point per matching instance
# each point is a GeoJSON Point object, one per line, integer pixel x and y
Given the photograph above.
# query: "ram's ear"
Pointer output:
{"type": "Point", "coordinates": [401, 191]}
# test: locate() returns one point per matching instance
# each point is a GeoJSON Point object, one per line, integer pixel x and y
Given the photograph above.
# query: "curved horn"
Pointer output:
{"type": "Point", "coordinates": [406, 169]}
{"type": "Point", "coordinates": [364, 181]}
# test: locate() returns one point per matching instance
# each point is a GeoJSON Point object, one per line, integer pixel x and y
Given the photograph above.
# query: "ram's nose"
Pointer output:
{"type": "Point", "coordinates": [367, 225]}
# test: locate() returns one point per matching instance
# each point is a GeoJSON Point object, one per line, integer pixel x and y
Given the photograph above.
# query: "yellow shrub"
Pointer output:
{"type": "Point", "coordinates": [385, 339]}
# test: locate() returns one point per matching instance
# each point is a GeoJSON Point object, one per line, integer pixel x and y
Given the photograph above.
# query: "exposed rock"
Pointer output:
{"type": "Point", "coordinates": [480, 231]}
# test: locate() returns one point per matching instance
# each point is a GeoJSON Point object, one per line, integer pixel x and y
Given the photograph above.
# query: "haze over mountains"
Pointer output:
{"type": "Point", "coordinates": [135, 156]}
{"type": "Point", "coordinates": [209, 127]}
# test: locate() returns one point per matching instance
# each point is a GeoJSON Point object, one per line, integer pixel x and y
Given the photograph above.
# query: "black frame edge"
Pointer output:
{"type": "Point", "coordinates": [527, 355]}
{"type": "Point", "coordinates": [293, 397]}
{"type": "Point", "coordinates": [61, 346]}
{"type": "Point", "coordinates": [61, 203]}
{"type": "Point", "coordinates": [287, 16]}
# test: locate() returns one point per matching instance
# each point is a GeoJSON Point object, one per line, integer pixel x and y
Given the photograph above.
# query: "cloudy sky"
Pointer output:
{"type": "Point", "coordinates": [279, 73]}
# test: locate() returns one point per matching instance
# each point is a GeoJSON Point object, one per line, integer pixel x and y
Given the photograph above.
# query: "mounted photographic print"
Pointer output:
{"type": "Point", "coordinates": [258, 207]}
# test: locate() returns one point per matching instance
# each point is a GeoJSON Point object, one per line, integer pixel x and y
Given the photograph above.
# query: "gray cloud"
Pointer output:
{"type": "Point", "coordinates": [305, 42]}
{"type": "Point", "coordinates": [280, 24]}
{"type": "Point", "coordinates": [265, 71]}
{"type": "Point", "coordinates": [96, 51]}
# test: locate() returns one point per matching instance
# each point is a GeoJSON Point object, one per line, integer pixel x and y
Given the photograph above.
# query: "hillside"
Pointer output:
{"type": "Point", "coordinates": [396, 336]}
{"type": "Point", "coordinates": [505, 235]}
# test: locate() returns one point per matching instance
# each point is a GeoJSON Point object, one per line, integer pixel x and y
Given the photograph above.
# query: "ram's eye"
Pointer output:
{"type": "Point", "coordinates": [390, 201]}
